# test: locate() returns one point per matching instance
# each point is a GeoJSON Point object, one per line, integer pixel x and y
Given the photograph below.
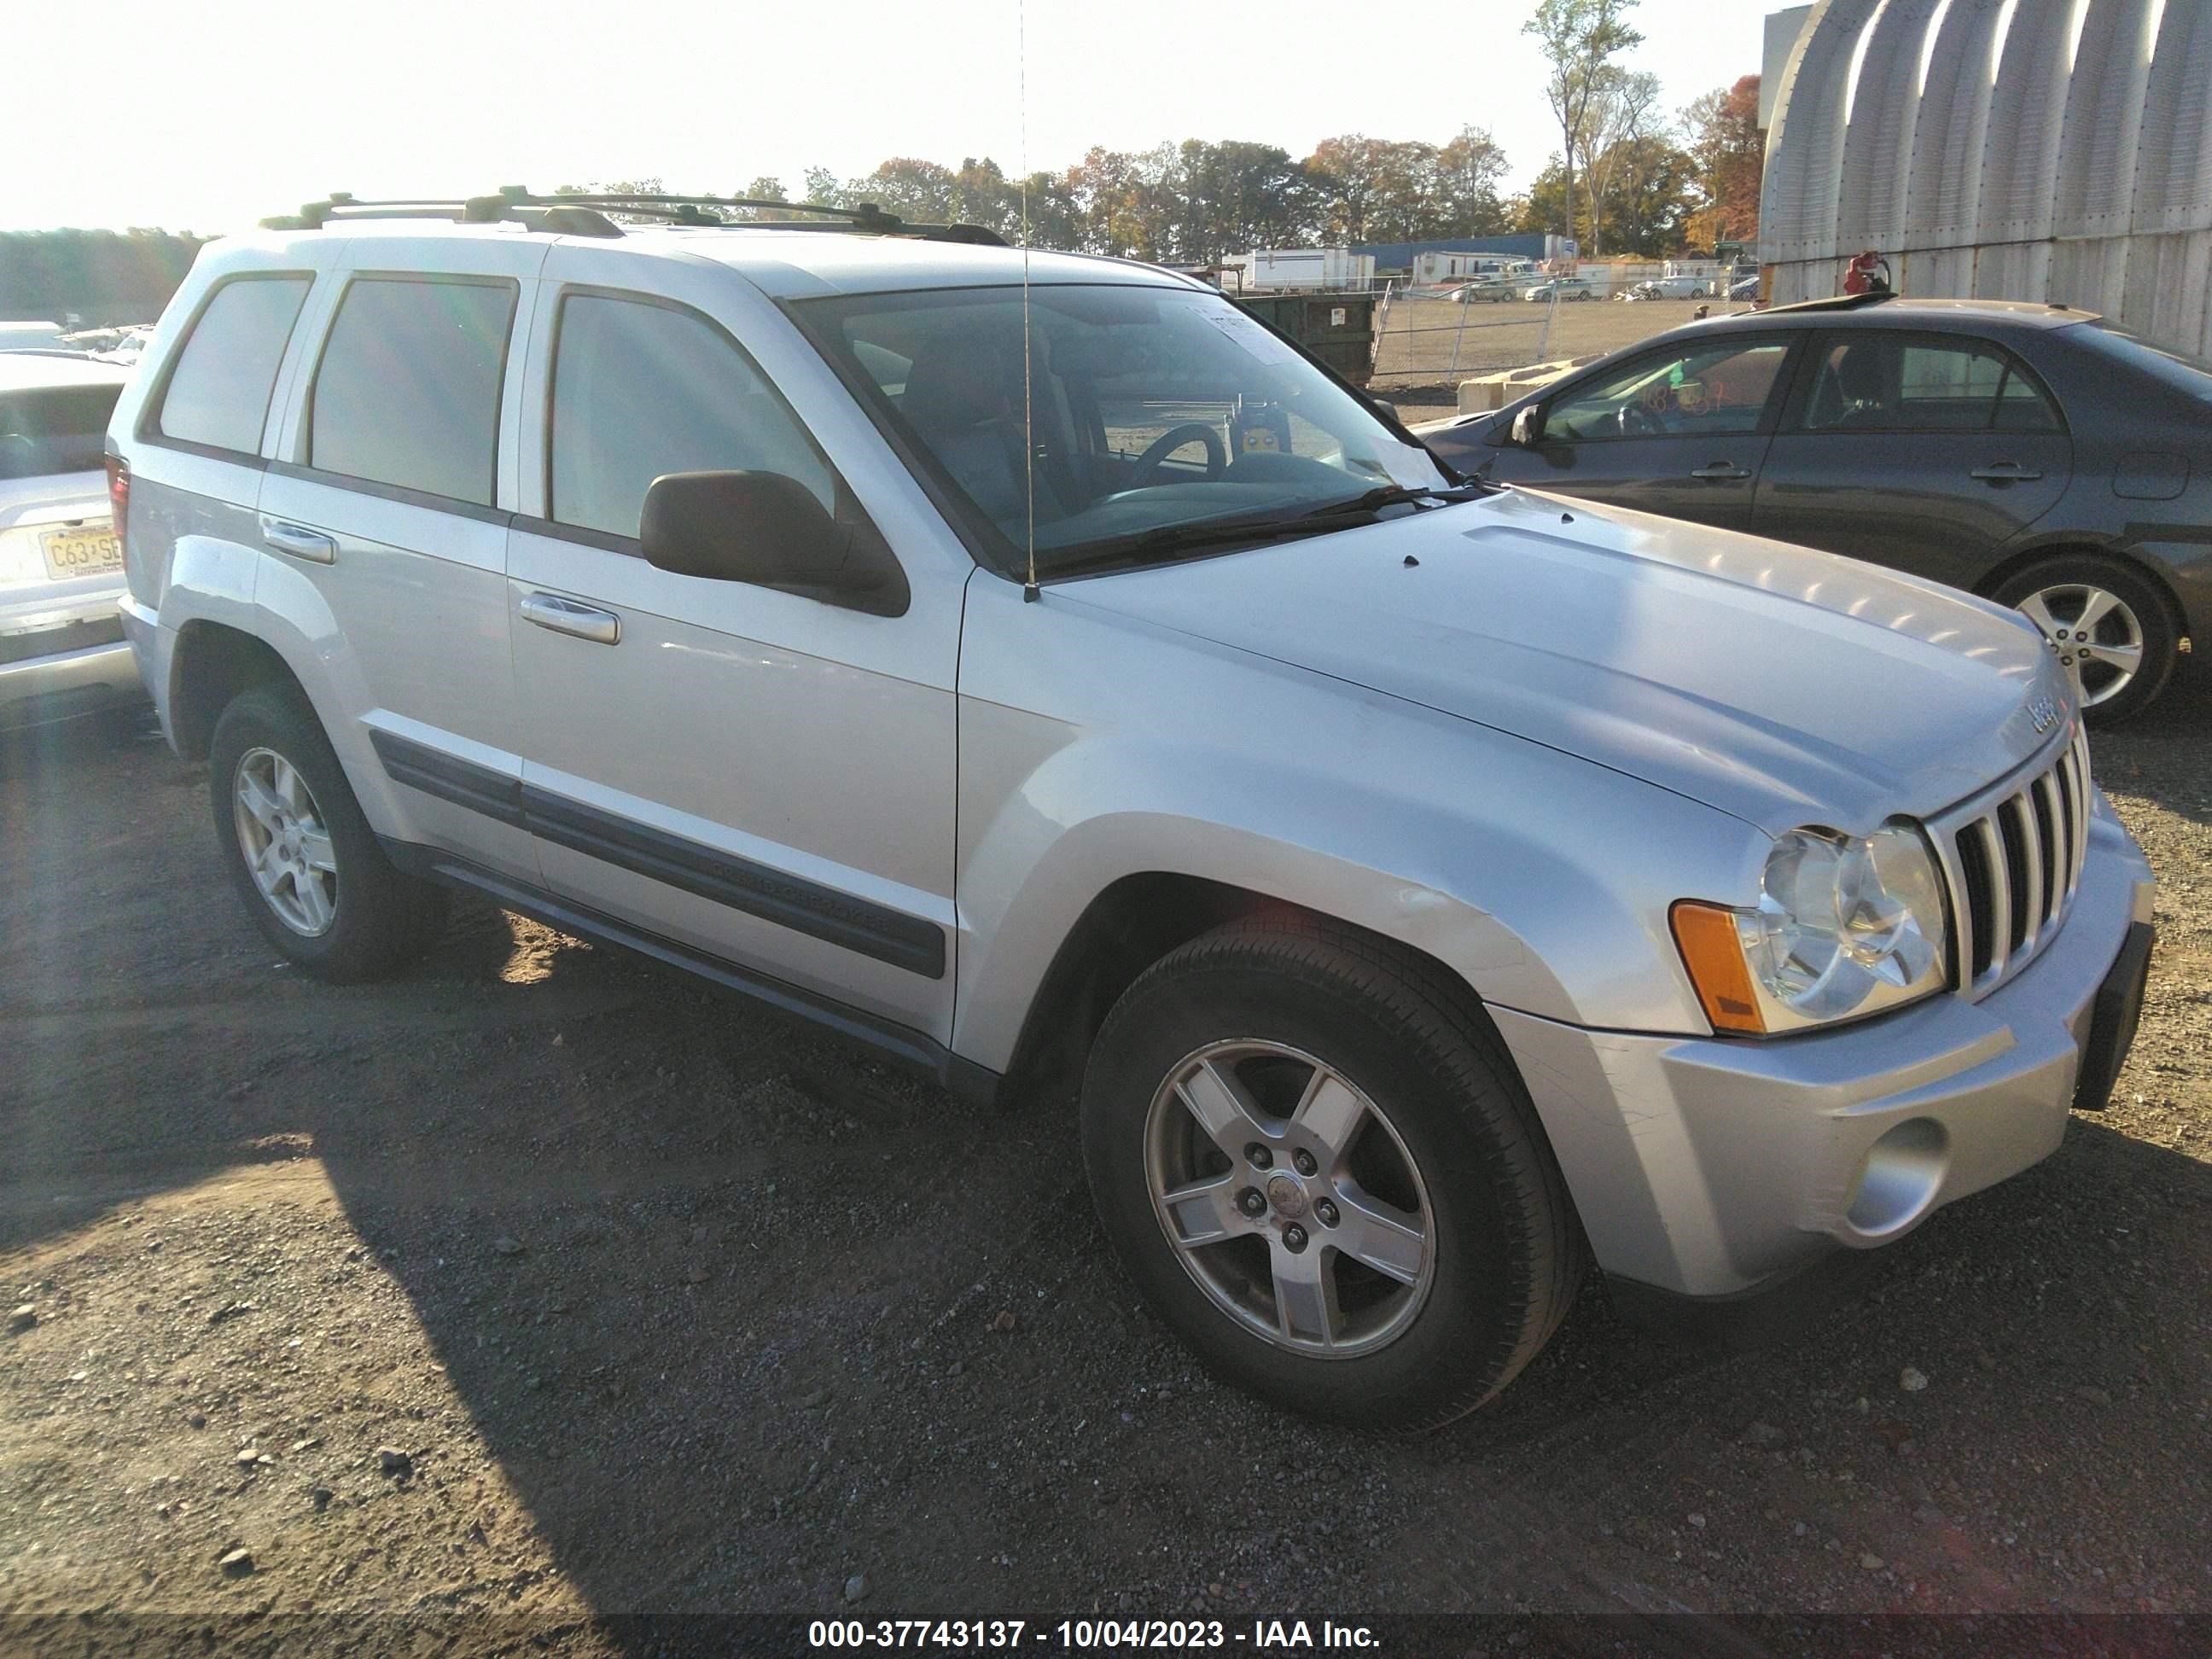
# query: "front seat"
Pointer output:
{"type": "Point", "coordinates": [963, 401]}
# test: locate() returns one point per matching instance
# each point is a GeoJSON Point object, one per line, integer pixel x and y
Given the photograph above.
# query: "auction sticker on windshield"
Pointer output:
{"type": "Point", "coordinates": [1248, 334]}
{"type": "Point", "coordinates": [81, 553]}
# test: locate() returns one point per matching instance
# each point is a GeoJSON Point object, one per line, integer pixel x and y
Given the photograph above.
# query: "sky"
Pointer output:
{"type": "Point", "coordinates": [209, 115]}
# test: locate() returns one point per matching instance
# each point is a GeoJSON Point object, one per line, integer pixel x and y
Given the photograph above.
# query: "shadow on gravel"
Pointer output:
{"type": "Point", "coordinates": [743, 1316]}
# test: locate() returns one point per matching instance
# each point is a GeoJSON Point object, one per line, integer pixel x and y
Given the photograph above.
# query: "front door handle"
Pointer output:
{"type": "Point", "coordinates": [1726, 471]}
{"type": "Point", "coordinates": [2005, 472]}
{"type": "Point", "coordinates": [585, 622]}
{"type": "Point", "coordinates": [300, 542]}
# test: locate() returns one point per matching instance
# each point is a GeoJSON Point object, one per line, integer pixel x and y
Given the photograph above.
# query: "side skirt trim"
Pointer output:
{"type": "Point", "coordinates": [805, 907]}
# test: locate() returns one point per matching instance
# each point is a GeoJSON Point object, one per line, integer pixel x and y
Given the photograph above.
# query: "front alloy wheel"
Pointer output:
{"type": "Point", "coordinates": [285, 843]}
{"type": "Point", "coordinates": [1321, 1168]}
{"type": "Point", "coordinates": [1289, 1198]}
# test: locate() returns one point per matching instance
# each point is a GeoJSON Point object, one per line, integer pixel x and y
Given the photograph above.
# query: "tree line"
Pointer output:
{"type": "Point", "coordinates": [100, 276]}
{"type": "Point", "coordinates": [1637, 184]}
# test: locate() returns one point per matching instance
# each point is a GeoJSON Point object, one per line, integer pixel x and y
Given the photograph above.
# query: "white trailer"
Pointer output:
{"type": "Point", "coordinates": [1332, 269]}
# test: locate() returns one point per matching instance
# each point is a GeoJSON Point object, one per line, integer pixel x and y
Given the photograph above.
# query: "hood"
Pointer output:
{"type": "Point", "coordinates": [1785, 686]}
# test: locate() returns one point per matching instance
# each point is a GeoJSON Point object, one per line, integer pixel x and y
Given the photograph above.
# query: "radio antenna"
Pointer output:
{"type": "Point", "coordinates": [1029, 417]}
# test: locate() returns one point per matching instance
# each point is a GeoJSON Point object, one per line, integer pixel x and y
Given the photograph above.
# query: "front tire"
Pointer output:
{"type": "Point", "coordinates": [2110, 625]}
{"type": "Point", "coordinates": [1319, 1166]}
{"type": "Point", "coordinates": [299, 851]}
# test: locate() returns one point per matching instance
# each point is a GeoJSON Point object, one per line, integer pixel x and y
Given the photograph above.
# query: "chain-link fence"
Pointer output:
{"type": "Point", "coordinates": [1428, 341]}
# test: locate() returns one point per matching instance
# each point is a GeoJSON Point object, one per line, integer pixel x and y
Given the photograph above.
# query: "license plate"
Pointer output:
{"type": "Point", "coordinates": [81, 553]}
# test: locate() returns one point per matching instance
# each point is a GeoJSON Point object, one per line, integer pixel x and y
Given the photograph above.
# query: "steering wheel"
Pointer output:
{"type": "Point", "coordinates": [1217, 453]}
{"type": "Point", "coordinates": [1635, 421]}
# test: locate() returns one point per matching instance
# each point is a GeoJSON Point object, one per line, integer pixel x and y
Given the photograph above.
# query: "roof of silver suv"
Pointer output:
{"type": "Point", "coordinates": [787, 263]}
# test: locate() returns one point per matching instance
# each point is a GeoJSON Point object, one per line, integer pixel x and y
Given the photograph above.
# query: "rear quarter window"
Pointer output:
{"type": "Point", "coordinates": [408, 391]}
{"type": "Point", "coordinates": [217, 395]}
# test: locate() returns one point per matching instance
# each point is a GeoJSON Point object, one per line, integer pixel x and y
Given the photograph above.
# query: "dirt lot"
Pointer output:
{"type": "Point", "coordinates": [661, 1304]}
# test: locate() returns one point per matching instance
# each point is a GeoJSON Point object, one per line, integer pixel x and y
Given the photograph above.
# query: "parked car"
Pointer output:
{"type": "Point", "coordinates": [2031, 454]}
{"type": "Point", "coordinates": [1568, 287]}
{"type": "Point", "coordinates": [1744, 287]}
{"type": "Point", "coordinates": [1426, 884]}
{"type": "Point", "coordinates": [62, 653]}
{"type": "Point", "coordinates": [1487, 289]}
{"type": "Point", "coordinates": [1671, 287]}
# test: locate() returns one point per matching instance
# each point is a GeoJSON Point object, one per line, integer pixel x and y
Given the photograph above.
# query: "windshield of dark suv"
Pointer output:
{"type": "Point", "coordinates": [1159, 420]}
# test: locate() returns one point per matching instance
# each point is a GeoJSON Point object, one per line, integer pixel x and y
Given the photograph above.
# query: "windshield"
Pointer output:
{"type": "Point", "coordinates": [1153, 412]}
{"type": "Point", "coordinates": [2184, 374]}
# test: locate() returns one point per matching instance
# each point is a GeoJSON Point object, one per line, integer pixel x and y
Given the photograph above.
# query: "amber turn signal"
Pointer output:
{"type": "Point", "coordinates": [1706, 934]}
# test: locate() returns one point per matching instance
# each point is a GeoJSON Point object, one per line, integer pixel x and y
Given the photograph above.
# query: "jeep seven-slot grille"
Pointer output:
{"type": "Point", "coordinates": [2013, 858]}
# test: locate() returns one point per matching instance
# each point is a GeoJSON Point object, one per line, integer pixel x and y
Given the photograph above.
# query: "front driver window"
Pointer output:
{"type": "Point", "coordinates": [1710, 390]}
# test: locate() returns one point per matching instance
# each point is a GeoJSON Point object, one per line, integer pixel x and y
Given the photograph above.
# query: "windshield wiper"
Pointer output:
{"type": "Point", "coordinates": [1172, 538]}
{"type": "Point", "coordinates": [1168, 540]}
{"type": "Point", "coordinates": [1382, 496]}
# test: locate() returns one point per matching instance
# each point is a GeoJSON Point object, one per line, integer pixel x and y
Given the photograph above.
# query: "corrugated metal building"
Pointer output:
{"type": "Point", "coordinates": [2026, 149]}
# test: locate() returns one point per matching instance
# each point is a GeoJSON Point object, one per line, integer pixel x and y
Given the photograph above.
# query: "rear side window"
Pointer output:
{"type": "Point", "coordinates": [408, 391]}
{"type": "Point", "coordinates": [59, 429]}
{"type": "Point", "coordinates": [218, 393]}
{"type": "Point", "coordinates": [1893, 383]}
{"type": "Point", "coordinates": [640, 390]}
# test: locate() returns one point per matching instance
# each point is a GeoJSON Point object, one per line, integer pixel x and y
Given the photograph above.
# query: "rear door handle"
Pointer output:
{"type": "Point", "coordinates": [2005, 472]}
{"type": "Point", "coordinates": [300, 542]}
{"type": "Point", "coordinates": [1726, 471]}
{"type": "Point", "coordinates": [585, 622]}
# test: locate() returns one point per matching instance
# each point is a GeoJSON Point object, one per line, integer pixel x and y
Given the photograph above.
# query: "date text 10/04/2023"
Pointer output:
{"type": "Point", "coordinates": [1085, 1635]}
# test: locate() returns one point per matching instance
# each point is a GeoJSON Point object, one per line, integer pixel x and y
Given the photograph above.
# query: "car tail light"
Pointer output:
{"type": "Point", "coordinates": [119, 495]}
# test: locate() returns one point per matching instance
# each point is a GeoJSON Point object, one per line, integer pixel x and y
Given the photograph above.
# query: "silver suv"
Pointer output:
{"type": "Point", "coordinates": [1434, 887]}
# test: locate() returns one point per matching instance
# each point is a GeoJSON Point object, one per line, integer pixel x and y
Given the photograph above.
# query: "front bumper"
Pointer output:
{"type": "Point", "coordinates": [1709, 1168]}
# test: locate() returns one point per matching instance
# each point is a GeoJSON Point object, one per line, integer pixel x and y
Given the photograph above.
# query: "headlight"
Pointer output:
{"type": "Point", "coordinates": [1843, 927]}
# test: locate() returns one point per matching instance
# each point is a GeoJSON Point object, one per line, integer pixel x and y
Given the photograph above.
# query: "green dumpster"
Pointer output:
{"type": "Point", "coordinates": [1337, 328]}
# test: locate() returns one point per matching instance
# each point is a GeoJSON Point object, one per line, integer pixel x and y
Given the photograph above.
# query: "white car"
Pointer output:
{"type": "Point", "coordinates": [1569, 287]}
{"type": "Point", "coordinates": [62, 651]}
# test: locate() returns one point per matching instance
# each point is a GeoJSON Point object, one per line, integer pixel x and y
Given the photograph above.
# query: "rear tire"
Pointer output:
{"type": "Point", "coordinates": [2125, 610]}
{"type": "Point", "coordinates": [1285, 1033]}
{"type": "Point", "coordinates": [301, 855]}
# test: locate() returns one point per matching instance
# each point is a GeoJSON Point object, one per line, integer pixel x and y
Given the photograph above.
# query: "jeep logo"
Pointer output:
{"type": "Point", "coordinates": [2044, 713]}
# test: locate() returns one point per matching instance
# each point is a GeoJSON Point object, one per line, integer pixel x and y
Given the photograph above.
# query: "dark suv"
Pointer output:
{"type": "Point", "coordinates": [2027, 452]}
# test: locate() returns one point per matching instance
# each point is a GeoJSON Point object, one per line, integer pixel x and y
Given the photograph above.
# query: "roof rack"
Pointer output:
{"type": "Point", "coordinates": [586, 213]}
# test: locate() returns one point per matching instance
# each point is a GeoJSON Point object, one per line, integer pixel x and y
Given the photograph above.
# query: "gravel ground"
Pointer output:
{"type": "Point", "coordinates": [543, 1286]}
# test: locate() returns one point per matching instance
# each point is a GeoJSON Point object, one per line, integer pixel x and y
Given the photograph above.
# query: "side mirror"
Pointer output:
{"type": "Point", "coordinates": [767, 529]}
{"type": "Point", "coordinates": [1385, 408]}
{"type": "Point", "coordinates": [1528, 429]}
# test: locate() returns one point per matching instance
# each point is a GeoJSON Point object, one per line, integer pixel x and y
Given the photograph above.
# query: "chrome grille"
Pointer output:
{"type": "Point", "coordinates": [2012, 858]}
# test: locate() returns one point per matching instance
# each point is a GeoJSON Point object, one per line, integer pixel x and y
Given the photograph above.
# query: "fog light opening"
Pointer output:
{"type": "Point", "coordinates": [1900, 1179]}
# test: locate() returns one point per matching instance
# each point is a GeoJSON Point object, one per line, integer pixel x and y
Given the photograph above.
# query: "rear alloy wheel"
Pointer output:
{"type": "Point", "coordinates": [1321, 1169]}
{"type": "Point", "coordinates": [299, 851]}
{"type": "Point", "coordinates": [285, 844]}
{"type": "Point", "coordinates": [2110, 628]}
